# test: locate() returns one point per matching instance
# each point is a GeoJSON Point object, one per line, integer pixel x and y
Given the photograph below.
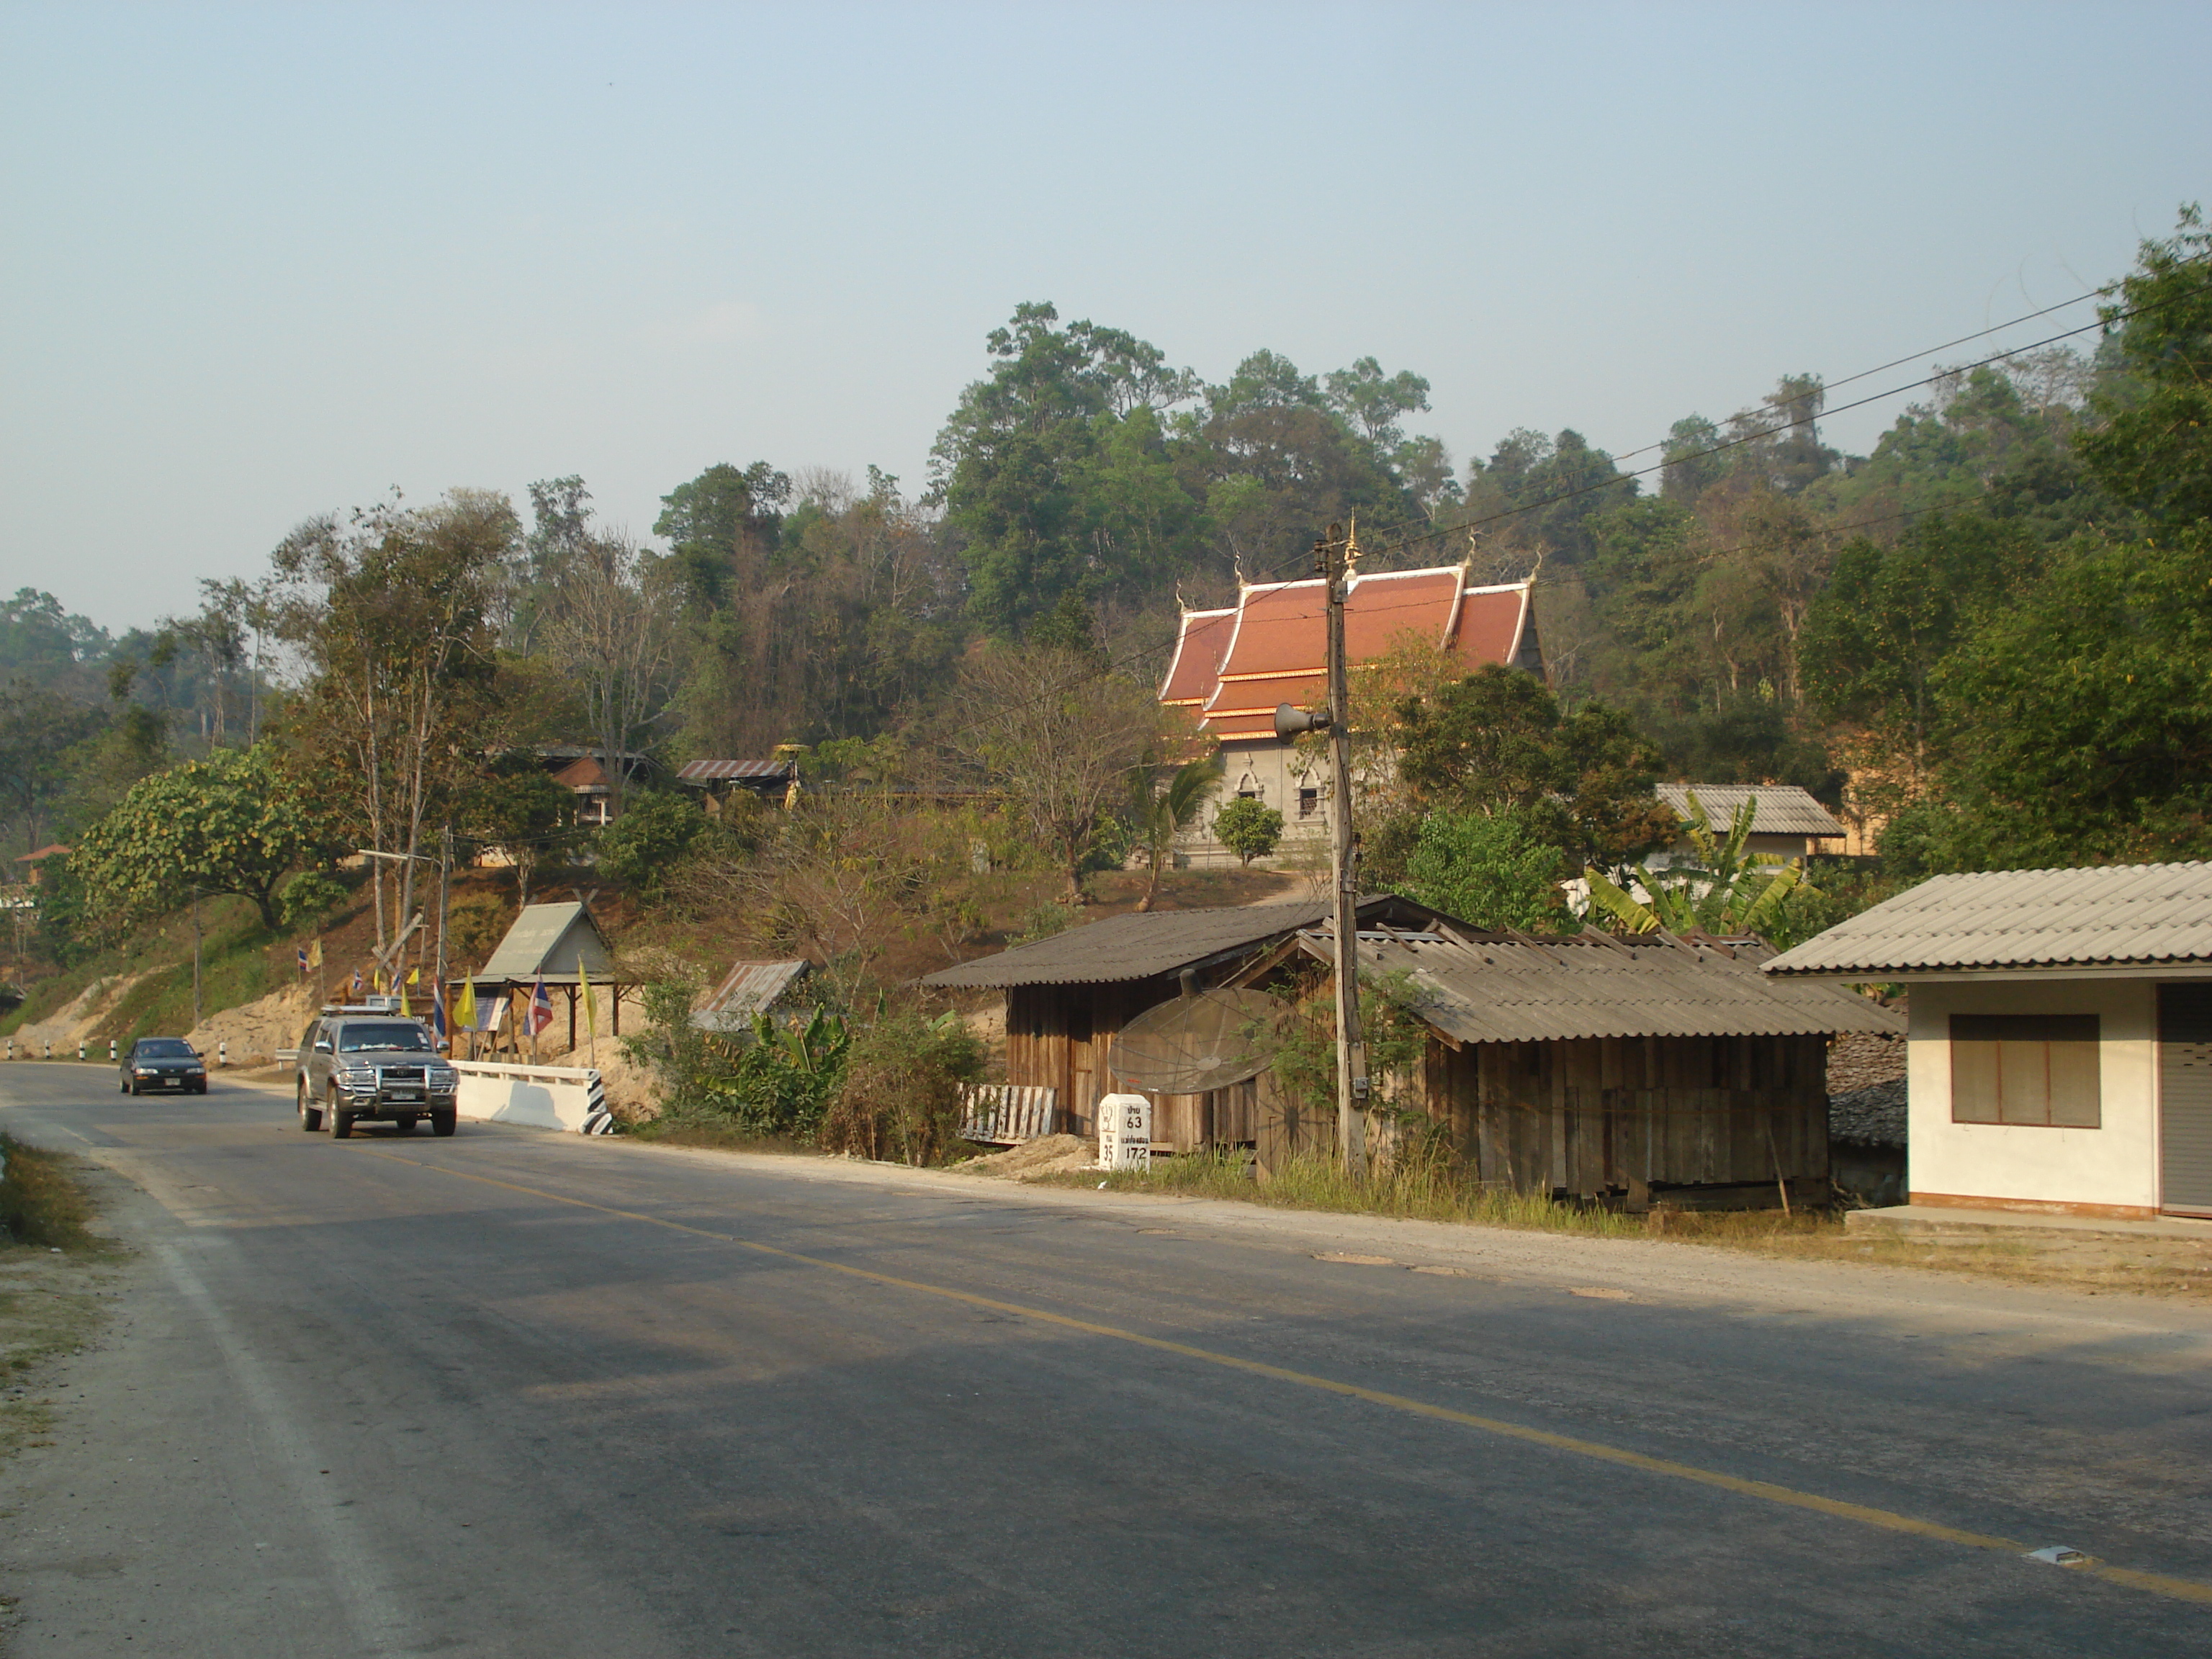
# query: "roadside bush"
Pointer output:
{"type": "Point", "coordinates": [775, 1080]}
{"type": "Point", "coordinates": [900, 1097]}
{"type": "Point", "coordinates": [644, 846]}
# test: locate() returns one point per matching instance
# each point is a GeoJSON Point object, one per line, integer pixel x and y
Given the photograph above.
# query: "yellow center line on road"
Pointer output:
{"type": "Point", "coordinates": [2186, 1589]}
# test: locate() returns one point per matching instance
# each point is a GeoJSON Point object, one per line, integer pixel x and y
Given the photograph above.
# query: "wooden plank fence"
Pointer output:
{"type": "Point", "coordinates": [1007, 1114]}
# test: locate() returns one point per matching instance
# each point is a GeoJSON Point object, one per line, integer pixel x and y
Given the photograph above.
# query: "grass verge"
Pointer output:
{"type": "Point", "coordinates": [1430, 1191]}
{"type": "Point", "coordinates": [49, 1305]}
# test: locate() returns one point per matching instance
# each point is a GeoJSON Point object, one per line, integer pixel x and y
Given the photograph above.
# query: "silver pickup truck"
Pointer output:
{"type": "Point", "coordinates": [359, 1065]}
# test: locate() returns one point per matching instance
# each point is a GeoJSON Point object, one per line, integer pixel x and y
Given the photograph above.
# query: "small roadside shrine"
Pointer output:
{"type": "Point", "coordinates": [2060, 1056]}
{"type": "Point", "coordinates": [558, 946]}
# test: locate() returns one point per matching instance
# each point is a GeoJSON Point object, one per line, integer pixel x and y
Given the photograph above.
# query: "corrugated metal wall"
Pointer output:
{"type": "Point", "coordinates": [2184, 1092]}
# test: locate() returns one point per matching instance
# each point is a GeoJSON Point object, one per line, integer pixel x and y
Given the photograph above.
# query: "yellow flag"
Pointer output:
{"type": "Point", "coordinates": [413, 975]}
{"type": "Point", "coordinates": [315, 954]}
{"type": "Point", "coordinates": [464, 1011]}
{"type": "Point", "coordinates": [405, 1012]}
{"type": "Point", "coordinates": [590, 1021]}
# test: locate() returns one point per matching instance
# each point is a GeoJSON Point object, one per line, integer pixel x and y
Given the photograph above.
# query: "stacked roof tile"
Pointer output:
{"type": "Point", "coordinates": [1232, 668]}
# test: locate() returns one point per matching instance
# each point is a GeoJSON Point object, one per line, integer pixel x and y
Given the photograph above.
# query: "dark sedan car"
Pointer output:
{"type": "Point", "coordinates": [164, 1063]}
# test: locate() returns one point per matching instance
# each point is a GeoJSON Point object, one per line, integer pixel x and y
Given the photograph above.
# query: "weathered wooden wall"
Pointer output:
{"type": "Point", "coordinates": [1059, 1035]}
{"type": "Point", "coordinates": [1062, 1036]}
{"type": "Point", "coordinates": [1618, 1114]}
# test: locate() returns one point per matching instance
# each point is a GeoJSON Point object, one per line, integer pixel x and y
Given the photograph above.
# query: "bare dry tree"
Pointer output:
{"type": "Point", "coordinates": [612, 633]}
{"type": "Point", "coordinates": [1059, 734]}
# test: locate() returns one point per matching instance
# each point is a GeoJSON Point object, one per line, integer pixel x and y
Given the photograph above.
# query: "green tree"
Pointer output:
{"type": "Point", "coordinates": [1491, 870]}
{"type": "Point", "coordinates": [645, 845]}
{"type": "Point", "coordinates": [392, 612]}
{"type": "Point", "coordinates": [515, 807]}
{"type": "Point", "coordinates": [1498, 740]}
{"type": "Point", "coordinates": [1055, 472]}
{"type": "Point", "coordinates": [1892, 616]}
{"type": "Point", "coordinates": [718, 519]}
{"type": "Point", "coordinates": [2081, 723]}
{"type": "Point", "coordinates": [238, 823]}
{"type": "Point", "coordinates": [1248, 829]}
{"type": "Point", "coordinates": [2154, 449]}
{"type": "Point", "coordinates": [38, 727]}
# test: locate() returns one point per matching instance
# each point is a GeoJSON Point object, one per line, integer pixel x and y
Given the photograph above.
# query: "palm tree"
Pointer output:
{"type": "Point", "coordinates": [1724, 891]}
{"type": "Point", "coordinates": [1162, 814]}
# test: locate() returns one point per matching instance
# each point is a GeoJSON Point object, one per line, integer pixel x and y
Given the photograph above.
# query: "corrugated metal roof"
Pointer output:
{"type": "Point", "coordinates": [549, 938]}
{"type": "Point", "coordinates": [1783, 808]}
{"type": "Point", "coordinates": [2115, 916]}
{"type": "Point", "coordinates": [1485, 988]}
{"type": "Point", "coordinates": [715, 771]}
{"type": "Point", "coordinates": [752, 988]}
{"type": "Point", "coordinates": [1138, 946]}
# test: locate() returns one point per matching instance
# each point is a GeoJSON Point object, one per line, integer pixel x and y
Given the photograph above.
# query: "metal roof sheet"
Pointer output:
{"type": "Point", "coordinates": [751, 987]}
{"type": "Point", "coordinates": [2110, 916]}
{"type": "Point", "coordinates": [1141, 946]}
{"type": "Point", "coordinates": [714, 771]}
{"type": "Point", "coordinates": [549, 938]}
{"type": "Point", "coordinates": [1783, 808]}
{"type": "Point", "coordinates": [1485, 987]}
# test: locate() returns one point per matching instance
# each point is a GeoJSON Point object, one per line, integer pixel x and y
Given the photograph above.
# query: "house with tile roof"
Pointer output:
{"type": "Point", "coordinates": [1232, 668]}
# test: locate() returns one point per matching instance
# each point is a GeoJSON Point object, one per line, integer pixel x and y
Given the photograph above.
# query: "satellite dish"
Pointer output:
{"type": "Point", "coordinates": [1207, 1039]}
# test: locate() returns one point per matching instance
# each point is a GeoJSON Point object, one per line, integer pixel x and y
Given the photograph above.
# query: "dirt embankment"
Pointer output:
{"type": "Point", "coordinates": [76, 1021]}
{"type": "Point", "coordinates": [253, 1031]}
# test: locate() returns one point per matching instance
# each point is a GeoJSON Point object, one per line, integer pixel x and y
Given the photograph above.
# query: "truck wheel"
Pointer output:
{"type": "Point", "coordinates": [310, 1119]}
{"type": "Point", "coordinates": [444, 1123]}
{"type": "Point", "coordinates": [338, 1122]}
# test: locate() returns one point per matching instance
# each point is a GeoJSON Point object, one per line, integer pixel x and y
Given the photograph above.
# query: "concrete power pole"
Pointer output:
{"type": "Point", "coordinates": [1337, 556]}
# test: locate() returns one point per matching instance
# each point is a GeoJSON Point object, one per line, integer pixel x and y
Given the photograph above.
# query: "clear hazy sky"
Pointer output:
{"type": "Point", "coordinates": [258, 262]}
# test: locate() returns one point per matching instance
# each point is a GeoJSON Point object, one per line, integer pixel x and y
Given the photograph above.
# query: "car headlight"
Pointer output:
{"type": "Point", "coordinates": [145, 1071]}
{"type": "Point", "coordinates": [443, 1077]}
{"type": "Point", "coordinates": [357, 1077]}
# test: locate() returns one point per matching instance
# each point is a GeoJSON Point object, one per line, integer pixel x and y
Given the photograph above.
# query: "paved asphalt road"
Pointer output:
{"type": "Point", "coordinates": [522, 1394]}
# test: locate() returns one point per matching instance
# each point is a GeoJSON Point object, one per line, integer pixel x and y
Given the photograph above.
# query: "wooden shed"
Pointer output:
{"type": "Point", "coordinates": [1620, 1069]}
{"type": "Point", "coordinates": [1068, 996]}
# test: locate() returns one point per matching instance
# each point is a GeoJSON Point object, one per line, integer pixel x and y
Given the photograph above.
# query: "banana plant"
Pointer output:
{"type": "Point", "coordinates": [1726, 890]}
{"type": "Point", "coordinates": [1163, 812]}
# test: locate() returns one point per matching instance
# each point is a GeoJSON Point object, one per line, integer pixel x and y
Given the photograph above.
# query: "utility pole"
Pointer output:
{"type": "Point", "coordinates": [445, 906]}
{"type": "Point", "coordinates": [1337, 555]}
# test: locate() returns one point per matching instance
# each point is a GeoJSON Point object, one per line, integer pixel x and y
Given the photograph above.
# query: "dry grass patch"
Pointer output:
{"type": "Point", "coordinates": [50, 1269]}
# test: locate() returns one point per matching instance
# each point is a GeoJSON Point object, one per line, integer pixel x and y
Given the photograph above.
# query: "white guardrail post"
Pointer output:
{"type": "Point", "coordinates": [572, 1098]}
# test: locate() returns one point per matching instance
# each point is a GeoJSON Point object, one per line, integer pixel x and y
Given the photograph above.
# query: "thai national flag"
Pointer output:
{"type": "Point", "coordinates": [438, 1010]}
{"type": "Point", "coordinates": [541, 1009]}
{"type": "Point", "coordinates": [303, 960]}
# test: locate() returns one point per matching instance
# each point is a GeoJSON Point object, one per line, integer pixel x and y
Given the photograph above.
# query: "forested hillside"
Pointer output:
{"type": "Point", "coordinates": [1994, 632]}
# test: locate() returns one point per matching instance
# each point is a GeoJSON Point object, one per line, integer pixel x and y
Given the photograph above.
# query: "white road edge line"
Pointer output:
{"type": "Point", "coordinates": [378, 1622]}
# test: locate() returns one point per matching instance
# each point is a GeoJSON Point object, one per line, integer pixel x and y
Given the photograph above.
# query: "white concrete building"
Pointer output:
{"type": "Point", "coordinates": [2060, 1052]}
